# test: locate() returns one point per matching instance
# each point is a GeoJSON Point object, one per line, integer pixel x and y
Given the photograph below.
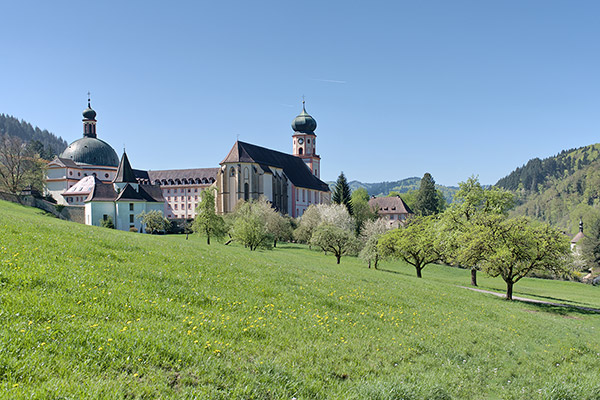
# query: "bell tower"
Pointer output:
{"type": "Point", "coordinates": [89, 121]}
{"type": "Point", "coordinates": [304, 141]}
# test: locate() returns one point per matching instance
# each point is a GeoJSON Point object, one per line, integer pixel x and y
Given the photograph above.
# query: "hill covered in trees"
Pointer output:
{"type": "Point", "coordinates": [560, 189]}
{"type": "Point", "coordinates": [48, 144]}
{"type": "Point", "coordinates": [401, 186]}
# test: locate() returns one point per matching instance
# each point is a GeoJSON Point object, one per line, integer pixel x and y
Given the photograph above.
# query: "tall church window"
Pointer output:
{"type": "Point", "coordinates": [130, 206]}
{"type": "Point", "coordinates": [232, 172]}
{"type": "Point", "coordinates": [246, 192]}
{"type": "Point", "coordinates": [300, 151]}
{"type": "Point", "coordinates": [131, 217]}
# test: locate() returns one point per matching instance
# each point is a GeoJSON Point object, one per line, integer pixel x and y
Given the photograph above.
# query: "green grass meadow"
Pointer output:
{"type": "Point", "coordinates": [88, 312]}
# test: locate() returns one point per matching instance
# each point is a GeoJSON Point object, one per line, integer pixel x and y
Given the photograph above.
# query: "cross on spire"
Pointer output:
{"type": "Point", "coordinates": [89, 98]}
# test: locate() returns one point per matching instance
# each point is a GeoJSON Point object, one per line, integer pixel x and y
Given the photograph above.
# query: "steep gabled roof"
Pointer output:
{"type": "Point", "coordinates": [129, 193]}
{"type": "Point", "coordinates": [151, 193]}
{"type": "Point", "coordinates": [293, 167]}
{"type": "Point", "coordinates": [125, 173]}
{"type": "Point", "coordinates": [102, 192]}
{"type": "Point", "coordinates": [389, 205]}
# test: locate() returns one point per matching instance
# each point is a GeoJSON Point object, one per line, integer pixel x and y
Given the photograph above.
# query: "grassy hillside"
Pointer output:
{"type": "Point", "coordinates": [92, 313]}
{"type": "Point", "coordinates": [559, 189]}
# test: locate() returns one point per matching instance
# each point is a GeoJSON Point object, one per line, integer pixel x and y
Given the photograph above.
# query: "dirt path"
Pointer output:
{"type": "Point", "coordinates": [533, 300]}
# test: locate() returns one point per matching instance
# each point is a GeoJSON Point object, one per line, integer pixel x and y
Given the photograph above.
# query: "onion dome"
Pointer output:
{"type": "Point", "coordinates": [91, 150]}
{"type": "Point", "coordinates": [89, 113]}
{"type": "Point", "coordinates": [304, 123]}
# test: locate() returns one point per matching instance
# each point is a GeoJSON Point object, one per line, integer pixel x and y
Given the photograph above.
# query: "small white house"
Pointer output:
{"type": "Point", "coordinates": [123, 200]}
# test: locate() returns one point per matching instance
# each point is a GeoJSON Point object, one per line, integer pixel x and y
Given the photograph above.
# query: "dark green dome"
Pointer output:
{"type": "Point", "coordinates": [90, 150]}
{"type": "Point", "coordinates": [89, 113]}
{"type": "Point", "coordinates": [304, 122]}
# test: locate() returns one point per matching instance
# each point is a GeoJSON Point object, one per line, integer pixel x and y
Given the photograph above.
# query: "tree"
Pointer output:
{"type": "Point", "coordinates": [417, 243]}
{"type": "Point", "coordinates": [249, 226]}
{"type": "Point", "coordinates": [336, 215]}
{"type": "Point", "coordinates": [513, 248]}
{"type": "Point", "coordinates": [427, 199]}
{"type": "Point", "coordinates": [590, 245]}
{"type": "Point", "coordinates": [337, 240]}
{"type": "Point", "coordinates": [207, 221]}
{"type": "Point", "coordinates": [107, 223]}
{"type": "Point", "coordinates": [154, 221]}
{"type": "Point", "coordinates": [277, 226]}
{"type": "Point", "coordinates": [341, 193]}
{"type": "Point", "coordinates": [19, 166]}
{"type": "Point", "coordinates": [360, 208]}
{"type": "Point", "coordinates": [470, 201]}
{"type": "Point", "coordinates": [370, 235]}
{"type": "Point", "coordinates": [307, 224]}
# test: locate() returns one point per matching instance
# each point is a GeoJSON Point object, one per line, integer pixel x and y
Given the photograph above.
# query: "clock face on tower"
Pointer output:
{"type": "Point", "coordinates": [300, 141]}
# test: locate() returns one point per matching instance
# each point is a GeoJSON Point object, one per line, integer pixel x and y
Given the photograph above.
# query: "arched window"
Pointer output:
{"type": "Point", "coordinates": [232, 172]}
{"type": "Point", "coordinates": [246, 173]}
{"type": "Point", "coordinates": [246, 192]}
{"type": "Point", "coordinates": [300, 151]}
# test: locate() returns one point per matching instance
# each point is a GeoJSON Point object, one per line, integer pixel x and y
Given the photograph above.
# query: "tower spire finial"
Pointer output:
{"type": "Point", "coordinates": [89, 100]}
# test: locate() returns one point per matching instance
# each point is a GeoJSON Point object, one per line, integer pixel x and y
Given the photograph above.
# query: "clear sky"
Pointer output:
{"type": "Point", "coordinates": [398, 88]}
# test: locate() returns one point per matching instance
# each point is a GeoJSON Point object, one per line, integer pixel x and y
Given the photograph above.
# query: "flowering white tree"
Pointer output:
{"type": "Point", "coordinates": [371, 232]}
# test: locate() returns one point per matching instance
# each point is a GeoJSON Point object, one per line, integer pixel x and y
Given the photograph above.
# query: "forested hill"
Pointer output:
{"type": "Point", "coordinates": [52, 144]}
{"type": "Point", "coordinates": [401, 186]}
{"type": "Point", "coordinates": [559, 189]}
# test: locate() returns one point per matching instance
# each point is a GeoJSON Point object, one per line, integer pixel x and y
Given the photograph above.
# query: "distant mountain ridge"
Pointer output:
{"type": "Point", "coordinates": [401, 186]}
{"type": "Point", "coordinates": [52, 144]}
{"type": "Point", "coordinates": [560, 189]}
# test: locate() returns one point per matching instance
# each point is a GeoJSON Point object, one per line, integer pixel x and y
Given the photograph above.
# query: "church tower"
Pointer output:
{"type": "Point", "coordinates": [305, 141]}
{"type": "Point", "coordinates": [89, 121]}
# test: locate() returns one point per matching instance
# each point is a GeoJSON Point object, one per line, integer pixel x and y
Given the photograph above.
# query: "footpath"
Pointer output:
{"type": "Point", "coordinates": [526, 300]}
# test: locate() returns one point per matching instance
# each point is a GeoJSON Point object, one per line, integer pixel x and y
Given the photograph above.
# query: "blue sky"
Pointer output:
{"type": "Point", "coordinates": [398, 88]}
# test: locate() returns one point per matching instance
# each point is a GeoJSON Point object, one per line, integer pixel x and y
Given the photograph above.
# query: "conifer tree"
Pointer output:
{"type": "Point", "coordinates": [427, 201]}
{"type": "Point", "coordinates": [341, 193]}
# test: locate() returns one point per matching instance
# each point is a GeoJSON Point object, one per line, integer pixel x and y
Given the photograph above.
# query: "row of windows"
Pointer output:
{"type": "Point", "coordinates": [85, 174]}
{"type": "Point", "coordinates": [184, 181]}
{"type": "Point", "coordinates": [182, 198]}
{"type": "Point", "coordinates": [313, 196]}
{"type": "Point", "coordinates": [190, 206]}
{"type": "Point", "coordinates": [168, 191]}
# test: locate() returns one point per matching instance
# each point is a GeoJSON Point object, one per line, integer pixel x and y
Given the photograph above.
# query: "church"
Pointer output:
{"type": "Point", "coordinates": [291, 182]}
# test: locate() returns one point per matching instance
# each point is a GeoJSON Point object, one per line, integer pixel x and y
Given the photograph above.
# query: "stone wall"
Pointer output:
{"type": "Point", "coordinates": [69, 213]}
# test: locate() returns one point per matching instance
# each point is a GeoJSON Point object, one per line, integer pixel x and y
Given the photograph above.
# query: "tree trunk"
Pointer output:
{"type": "Point", "coordinates": [274, 242]}
{"type": "Point", "coordinates": [338, 258]}
{"type": "Point", "coordinates": [473, 276]}
{"type": "Point", "coordinates": [376, 261]}
{"type": "Point", "coordinates": [369, 264]}
{"type": "Point", "coordinates": [207, 239]}
{"type": "Point", "coordinates": [509, 290]}
{"type": "Point", "coordinates": [419, 272]}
